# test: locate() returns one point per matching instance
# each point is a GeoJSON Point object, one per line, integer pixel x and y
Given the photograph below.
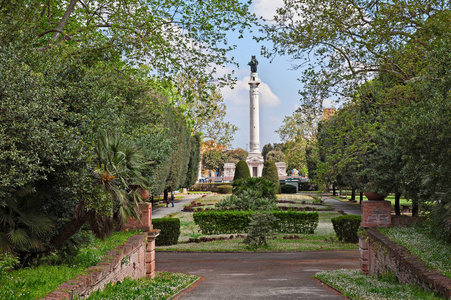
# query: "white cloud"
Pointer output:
{"type": "Point", "coordinates": [274, 119]}
{"type": "Point", "coordinates": [266, 8]}
{"type": "Point", "coordinates": [240, 94]}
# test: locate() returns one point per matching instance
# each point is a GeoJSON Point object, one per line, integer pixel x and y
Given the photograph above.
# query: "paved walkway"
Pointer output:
{"type": "Point", "coordinates": [285, 275]}
{"type": "Point", "coordinates": [160, 212]}
{"type": "Point", "coordinates": [349, 209]}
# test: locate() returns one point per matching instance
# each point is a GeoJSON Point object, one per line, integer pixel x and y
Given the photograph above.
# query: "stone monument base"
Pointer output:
{"type": "Point", "coordinates": [376, 213]}
{"type": "Point", "coordinates": [255, 163]}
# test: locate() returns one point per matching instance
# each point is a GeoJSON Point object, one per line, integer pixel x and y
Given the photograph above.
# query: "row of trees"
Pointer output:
{"type": "Point", "coordinates": [97, 99]}
{"type": "Point", "coordinates": [388, 62]}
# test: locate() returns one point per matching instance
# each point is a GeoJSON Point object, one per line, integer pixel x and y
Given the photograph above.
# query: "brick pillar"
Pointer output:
{"type": "Point", "coordinates": [364, 255]}
{"type": "Point", "coordinates": [375, 213]}
{"type": "Point", "coordinates": [146, 226]}
{"type": "Point", "coordinates": [150, 253]}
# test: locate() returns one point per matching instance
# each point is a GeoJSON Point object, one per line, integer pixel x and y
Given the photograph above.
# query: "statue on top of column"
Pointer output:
{"type": "Point", "coordinates": [253, 63]}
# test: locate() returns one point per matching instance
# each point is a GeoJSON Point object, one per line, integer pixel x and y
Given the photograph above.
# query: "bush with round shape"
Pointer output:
{"type": "Point", "coordinates": [241, 171]}
{"type": "Point", "coordinates": [170, 231]}
{"type": "Point", "coordinates": [270, 173]}
{"type": "Point", "coordinates": [288, 189]}
{"type": "Point", "coordinates": [346, 227]}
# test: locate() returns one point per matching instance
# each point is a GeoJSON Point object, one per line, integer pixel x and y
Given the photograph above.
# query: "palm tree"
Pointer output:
{"type": "Point", "coordinates": [118, 167]}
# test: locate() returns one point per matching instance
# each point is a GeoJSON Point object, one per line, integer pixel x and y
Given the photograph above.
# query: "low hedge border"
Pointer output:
{"type": "Point", "coordinates": [225, 222]}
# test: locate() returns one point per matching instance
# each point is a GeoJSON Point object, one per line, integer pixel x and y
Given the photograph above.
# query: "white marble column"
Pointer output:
{"type": "Point", "coordinates": [255, 158]}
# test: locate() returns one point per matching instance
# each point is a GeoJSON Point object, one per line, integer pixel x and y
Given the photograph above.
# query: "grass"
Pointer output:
{"type": "Point", "coordinates": [353, 284]}
{"type": "Point", "coordinates": [323, 239]}
{"type": "Point", "coordinates": [35, 283]}
{"type": "Point", "coordinates": [435, 254]}
{"type": "Point", "coordinates": [163, 286]}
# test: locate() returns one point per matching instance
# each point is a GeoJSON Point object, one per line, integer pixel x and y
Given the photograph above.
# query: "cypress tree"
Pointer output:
{"type": "Point", "coordinates": [241, 171]}
{"type": "Point", "coordinates": [270, 173]}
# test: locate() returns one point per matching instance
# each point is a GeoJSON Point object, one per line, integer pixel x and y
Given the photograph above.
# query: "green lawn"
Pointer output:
{"type": "Point", "coordinates": [165, 285]}
{"type": "Point", "coordinates": [355, 285]}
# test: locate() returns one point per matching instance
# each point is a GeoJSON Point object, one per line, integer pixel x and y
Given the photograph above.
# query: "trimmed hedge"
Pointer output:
{"type": "Point", "coordinates": [221, 222]}
{"type": "Point", "coordinates": [346, 227]}
{"type": "Point", "coordinates": [212, 187]}
{"type": "Point", "coordinates": [288, 189]}
{"type": "Point", "coordinates": [270, 173]}
{"type": "Point", "coordinates": [224, 189]}
{"type": "Point", "coordinates": [170, 231]}
{"type": "Point", "coordinates": [218, 222]}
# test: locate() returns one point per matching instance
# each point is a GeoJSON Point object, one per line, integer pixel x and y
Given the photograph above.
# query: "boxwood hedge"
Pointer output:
{"type": "Point", "coordinates": [222, 222]}
{"type": "Point", "coordinates": [170, 231]}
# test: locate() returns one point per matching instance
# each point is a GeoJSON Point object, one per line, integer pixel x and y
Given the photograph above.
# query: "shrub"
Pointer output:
{"type": "Point", "coordinates": [346, 227]}
{"type": "Point", "coordinates": [247, 200]}
{"type": "Point", "coordinates": [170, 231]}
{"type": "Point", "coordinates": [259, 229]}
{"type": "Point", "coordinates": [221, 222]}
{"type": "Point", "coordinates": [241, 171]}
{"type": "Point", "coordinates": [263, 188]}
{"type": "Point", "coordinates": [218, 222]}
{"type": "Point", "coordinates": [212, 187]}
{"type": "Point", "coordinates": [224, 189]}
{"type": "Point", "coordinates": [270, 173]}
{"type": "Point", "coordinates": [288, 189]}
{"type": "Point", "coordinates": [295, 221]}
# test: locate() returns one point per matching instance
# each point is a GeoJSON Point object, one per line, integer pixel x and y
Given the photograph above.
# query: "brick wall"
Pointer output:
{"type": "Point", "coordinates": [134, 259]}
{"type": "Point", "coordinates": [128, 260]}
{"type": "Point", "coordinates": [379, 255]}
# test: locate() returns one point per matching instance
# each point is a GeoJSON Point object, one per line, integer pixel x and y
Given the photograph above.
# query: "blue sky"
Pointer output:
{"type": "Point", "coordinates": [278, 91]}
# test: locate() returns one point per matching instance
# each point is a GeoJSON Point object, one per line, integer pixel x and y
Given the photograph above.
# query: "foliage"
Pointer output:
{"type": "Point", "coordinates": [295, 222]}
{"type": "Point", "coordinates": [353, 284]}
{"type": "Point", "coordinates": [119, 166]}
{"type": "Point", "coordinates": [276, 156]}
{"type": "Point", "coordinates": [165, 285]}
{"type": "Point", "coordinates": [219, 222]}
{"type": "Point", "coordinates": [7, 262]}
{"type": "Point", "coordinates": [241, 171]}
{"type": "Point", "coordinates": [150, 34]}
{"type": "Point", "coordinates": [194, 161]}
{"type": "Point", "coordinates": [170, 231]}
{"type": "Point", "coordinates": [367, 38]}
{"type": "Point", "coordinates": [23, 225]}
{"type": "Point", "coordinates": [258, 230]}
{"type": "Point", "coordinates": [213, 160]}
{"type": "Point", "coordinates": [211, 187]}
{"type": "Point", "coordinates": [260, 187]}
{"type": "Point", "coordinates": [37, 282]}
{"type": "Point", "coordinates": [234, 156]}
{"type": "Point", "coordinates": [270, 173]}
{"type": "Point", "coordinates": [346, 227]}
{"type": "Point", "coordinates": [247, 200]}
{"type": "Point", "coordinates": [224, 189]}
{"type": "Point", "coordinates": [288, 189]}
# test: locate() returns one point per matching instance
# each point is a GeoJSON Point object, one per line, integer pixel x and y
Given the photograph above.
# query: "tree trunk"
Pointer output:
{"type": "Point", "coordinates": [334, 190]}
{"type": "Point", "coordinates": [80, 217]}
{"type": "Point", "coordinates": [353, 194]}
{"type": "Point", "coordinates": [397, 206]}
{"type": "Point", "coordinates": [361, 198]}
{"type": "Point", "coordinates": [166, 196]}
{"type": "Point", "coordinates": [414, 208]}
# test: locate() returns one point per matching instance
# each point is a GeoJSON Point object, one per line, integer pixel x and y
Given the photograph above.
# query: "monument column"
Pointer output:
{"type": "Point", "coordinates": [255, 158]}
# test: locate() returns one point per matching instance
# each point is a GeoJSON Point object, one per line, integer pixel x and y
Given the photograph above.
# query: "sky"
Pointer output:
{"type": "Point", "coordinates": [278, 91]}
